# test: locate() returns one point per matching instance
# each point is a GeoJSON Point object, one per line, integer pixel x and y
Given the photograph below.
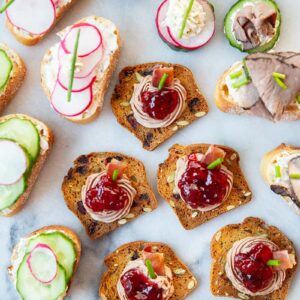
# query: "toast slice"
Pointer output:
{"type": "Point", "coordinates": [240, 193]}
{"type": "Point", "coordinates": [83, 167]}
{"type": "Point", "coordinates": [47, 140]}
{"type": "Point", "coordinates": [196, 106]}
{"type": "Point", "coordinates": [16, 77]}
{"type": "Point", "coordinates": [103, 75]}
{"type": "Point", "coordinates": [183, 280]}
{"type": "Point", "coordinates": [222, 242]}
{"type": "Point", "coordinates": [18, 251]}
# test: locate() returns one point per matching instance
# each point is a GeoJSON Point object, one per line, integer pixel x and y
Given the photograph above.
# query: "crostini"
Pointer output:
{"type": "Point", "coordinates": [252, 260]}
{"type": "Point", "coordinates": [44, 262]}
{"type": "Point", "coordinates": [25, 144]}
{"type": "Point", "coordinates": [145, 270]}
{"type": "Point", "coordinates": [76, 72]}
{"type": "Point", "coordinates": [202, 181]}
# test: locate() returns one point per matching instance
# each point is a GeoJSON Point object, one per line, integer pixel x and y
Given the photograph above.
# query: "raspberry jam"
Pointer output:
{"type": "Point", "coordinates": [159, 104]}
{"type": "Point", "coordinates": [253, 269]}
{"type": "Point", "coordinates": [137, 286]}
{"type": "Point", "coordinates": [106, 195]}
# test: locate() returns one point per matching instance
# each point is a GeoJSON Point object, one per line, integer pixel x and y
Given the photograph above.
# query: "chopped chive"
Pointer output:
{"type": "Point", "coordinates": [6, 6]}
{"type": "Point", "coordinates": [185, 17]}
{"type": "Point", "coordinates": [280, 83]}
{"type": "Point", "coordinates": [150, 269]}
{"type": "Point", "coordinates": [294, 176]}
{"type": "Point", "coordinates": [277, 171]}
{"type": "Point", "coordinates": [236, 74]}
{"type": "Point", "coordinates": [115, 175]}
{"type": "Point", "coordinates": [162, 81]}
{"type": "Point", "coordinates": [240, 83]}
{"type": "Point", "coordinates": [298, 99]}
{"type": "Point", "coordinates": [215, 163]}
{"type": "Point", "coordinates": [273, 262]}
{"type": "Point", "coordinates": [278, 75]}
{"type": "Point", "coordinates": [73, 63]}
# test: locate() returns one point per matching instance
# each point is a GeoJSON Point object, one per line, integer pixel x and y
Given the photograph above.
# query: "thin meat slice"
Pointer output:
{"type": "Point", "coordinates": [212, 154]}
{"type": "Point", "coordinates": [157, 260]}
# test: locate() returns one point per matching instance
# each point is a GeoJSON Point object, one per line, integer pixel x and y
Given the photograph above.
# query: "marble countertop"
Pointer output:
{"type": "Point", "coordinates": [251, 137]}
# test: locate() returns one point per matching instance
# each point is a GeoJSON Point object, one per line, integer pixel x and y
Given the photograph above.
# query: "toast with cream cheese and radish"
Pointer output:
{"type": "Point", "coordinates": [76, 72]}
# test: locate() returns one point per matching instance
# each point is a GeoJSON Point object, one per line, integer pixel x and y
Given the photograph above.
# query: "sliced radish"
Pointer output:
{"type": "Point", "coordinates": [13, 162]}
{"type": "Point", "coordinates": [42, 263]}
{"type": "Point", "coordinates": [34, 16]}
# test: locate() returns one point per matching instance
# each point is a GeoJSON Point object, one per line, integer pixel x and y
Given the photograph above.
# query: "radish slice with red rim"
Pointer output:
{"type": "Point", "coordinates": [42, 263]}
{"type": "Point", "coordinates": [13, 162]}
{"type": "Point", "coordinates": [35, 16]}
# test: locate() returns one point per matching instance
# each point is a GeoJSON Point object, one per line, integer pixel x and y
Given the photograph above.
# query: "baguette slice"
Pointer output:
{"type": "Point", "coordinates": [104, 74]}
{"type": "Point", "coordinates": [240, 193]}
{"type": "Point", "coordinates": [222, 242]}
{"type": "Point", "coordinates": [84, 166]}
{"type": "Point", "coordinates": [17, 251]}
{"type": "Point", "coordinates": [183, 279]}
{"type": "Point", "coordinates": [16, 78]}
{"type": "Point", "coordinates": [47, 135]}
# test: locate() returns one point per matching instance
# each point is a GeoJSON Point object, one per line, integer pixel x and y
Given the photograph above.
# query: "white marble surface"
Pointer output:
{"type": "Point", "coordinates": [252, 137]}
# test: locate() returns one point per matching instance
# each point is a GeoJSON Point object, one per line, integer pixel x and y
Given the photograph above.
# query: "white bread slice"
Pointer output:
{"type": "Point", "coordinates": [16, 79]}
{"type": "Point", "coordinates": [47, 140]}
{"type": "Point", "coordinates": [30, 39]}
{"type": "Point", "coordinates": [49, 69]}
{"type": "Point", "coordinates": [18, 251]}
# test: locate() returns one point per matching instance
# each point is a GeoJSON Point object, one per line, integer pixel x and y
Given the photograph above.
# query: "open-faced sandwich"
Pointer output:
{"type": "Point", "coordinates": [12, 74]}
{"type": "Point", "coordinates": [253, 25]}
{"type": "Point", "coordinates": [252, 260]}
{"type": "Point", "coordinates": [44, 262]}
{"type": "Point", "coordinates": [106, 190]}
{"type": "Point", "coordinates": [145, 270]}
{"type": "Point", "coordinates": [202, 181]}
{"type": "Point", "coordinates": [76, 71]}
{"type": "Point", "coordinates": [281, 170]}
{"type": "Point", "coordinates": [263, 84]}
{"type": "Point", "coordinates": [30, 21]}
{"type": "Point", "coordinates": [155, 100]}
{"type": "Point", "coordinates": [24, 147]}
{"type": "Point", "coordinates": [185, 24]}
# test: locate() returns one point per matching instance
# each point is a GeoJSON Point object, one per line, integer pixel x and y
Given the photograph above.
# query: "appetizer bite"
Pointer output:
{"type": "Point", "coordinates": [155, 100]}
{"type": "Point", "coordinates": [145, 270]}
{"type": "Point", "coordinates": [266, 85]}
{"type": "Point", "coordinates": [253, 25]}
{"type": "Point", "coordinates": [280, 169]}
{"type": "Point", "coordinates": [44, 262]}
{"type": "Point", "coordinates": [76, 71]}
{"type": "Point", "coordinates": [185, 24]}
{"type": "Point", "coordinates": [107, 190]}
{"type": "Point", "coordinates": [202, 181]}
{"type": "Point", "coordinates": [25, 144]}
{"type": "Point", "coordinates": [252, 260]}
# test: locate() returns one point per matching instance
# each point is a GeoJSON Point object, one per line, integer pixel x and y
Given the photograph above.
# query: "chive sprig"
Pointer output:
{"type": "Point", "coordinates": [6, 6]}
{"type": "Point", "coordinates": [215, 163]}
{"type": "Point", "coordinates": [185, 17]}
{"type": "Point", "coordinates": [149, 266]}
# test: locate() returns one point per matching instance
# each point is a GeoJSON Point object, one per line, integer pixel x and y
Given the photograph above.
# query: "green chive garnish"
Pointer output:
{"type": "Point", "coordinates": [298, 99]}
{"type": "Point", "coordinates": [236, 74]}
{"type": "Point", "coordinates": [294, 176]}
{"type": "Point", "coordinates": [240, 83]}
{"type": "Point", "coordinates": [215, 163]}
{"type": "Point", "coordinates": [185, 17]}
{"type": "Point", "coordinates": [278, 75]}
{"type": "Point", "coordinates": [5, 7]}
{"type": "Point", "coordinates": [149, 266]}
{"type": "Point", "coordinates": [277, 171]}
{"type": "Point", "coordinates": [273, 262]}
{"type": "Point", "coordinates": [73, 63]}
{"type": "Point", "coordinates": [162, 81]}
{"type": "Point", "coordinates": [115, 175]}
{"type": "Point", "coordinates": [280, 83]}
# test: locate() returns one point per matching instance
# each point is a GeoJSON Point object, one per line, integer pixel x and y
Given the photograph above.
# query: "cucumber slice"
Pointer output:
{"type": "Point", "coordinates": [5, 68]}
{"type": "Point", "coordinates": [24, 133]}
{"type": "Point", "coordinates": [61, 245]}
{"type": "Point", "coordinates": [31, 289]}
{"type": "Point", "coordinates": [229, 19]}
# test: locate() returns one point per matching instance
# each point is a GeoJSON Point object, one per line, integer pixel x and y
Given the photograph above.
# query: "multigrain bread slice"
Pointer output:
{"type": "Point", "coordinates": [48, 137]}
{"type": "Point", "coordinates": [84, 166]}
{"type": "Point", "coordinates": [240, 193]}
{"type": "Point", "coordinates": [183, 280]}
{"type": "Point", "coordinates": [16, 78]}
{"type": "Point", "coordinates": [222, 242]}
{"type": "Point", "coordinates": [17, 251]}
{"type": "Point", "coordinates": [196, 106]}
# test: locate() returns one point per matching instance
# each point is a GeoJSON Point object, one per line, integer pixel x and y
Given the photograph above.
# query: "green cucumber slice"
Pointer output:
{"type": "Point", "coordinates": [31, 289]}
{"type": "Point", "coordinates": [228, 24]}
{"type": "Point", "coordinates": [5, 68]}
{"type": "Point", "coordinates": [61, 245]}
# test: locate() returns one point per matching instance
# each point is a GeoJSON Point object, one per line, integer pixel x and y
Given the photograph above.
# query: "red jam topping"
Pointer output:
{"type": "Point", "coordinates": [106, 195]}
{"type": "Point", "coordinates": [159, 104]}
{"type": "Point", "coordinates": [137, 286]}
{"type": "Point", "coordinates": [255, 273]}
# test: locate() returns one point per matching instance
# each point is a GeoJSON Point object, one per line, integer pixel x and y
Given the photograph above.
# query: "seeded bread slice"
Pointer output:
{"type": "Point", "coordinates": [83, 167]}
{"type": "Point", "coordinates": [240, 193]}
{"type": "Point", "coordinates": [223, 241]}
{"type": "Point", "coordinates": [183, 280]}
{"type": "Point", "coordinates": [150, 137]}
